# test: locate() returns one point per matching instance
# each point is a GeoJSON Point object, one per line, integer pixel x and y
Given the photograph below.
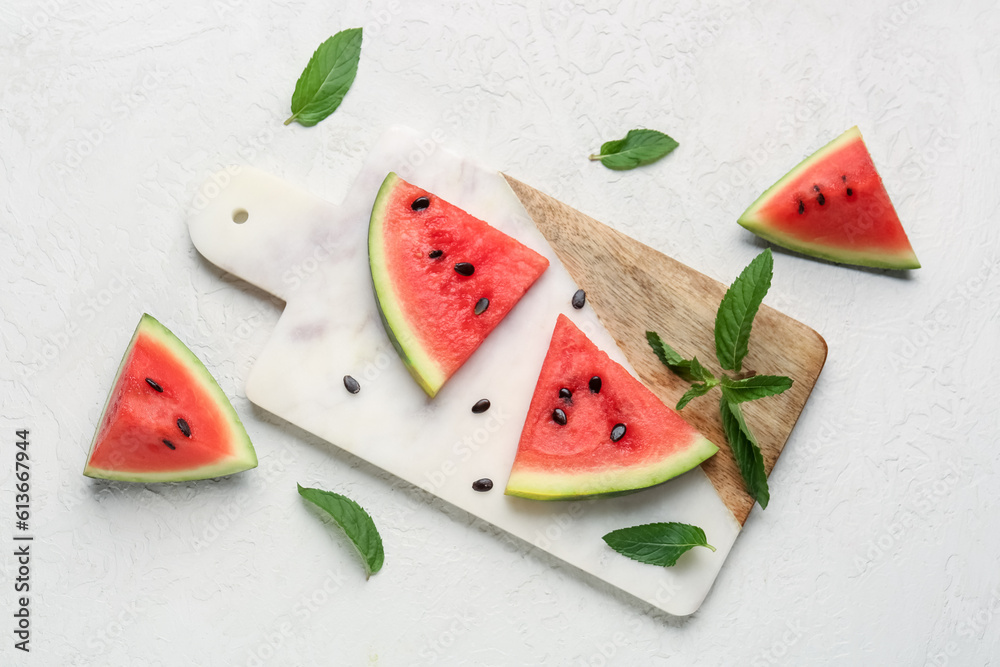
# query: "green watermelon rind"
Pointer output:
{"type": "Point", "coordinates": [243, 458]}
{"type": "Point", "coordinates": [877, 258]}
{"type": "Point", "coordinates": [552, 485]}
{"type": "Point", "coordinates": [427, 372]}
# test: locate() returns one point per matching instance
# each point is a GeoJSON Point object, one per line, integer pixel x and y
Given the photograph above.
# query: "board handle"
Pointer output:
{"type": "Point", "coordinates": [258, 227]}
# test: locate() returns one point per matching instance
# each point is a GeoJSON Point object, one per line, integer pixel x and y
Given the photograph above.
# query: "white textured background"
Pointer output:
{"type": "Point", "coordinates": [881, 543]}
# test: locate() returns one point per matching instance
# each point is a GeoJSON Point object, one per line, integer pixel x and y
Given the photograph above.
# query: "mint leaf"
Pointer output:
{"type": "Point", "coordinates": [693, 392]}
{"type": "Point", "coordinates": [639, 147]}
{"type": "Point", "coordinates": [670, 358]}
{"type": "Point", "coordinates": [327, 78]}
{"type": "Point", "coordinates": [738, 308]}
{"type": "Point", "coordinates": [752, 388]}
{"type": "Point", "coordinates": [745, 450]}
{"type": "Point", "coordinates": [657, 543]}
{"type": "Point", "coordinates": [357, 525]}
{"type": "Point", "coordinates": [701, 373]}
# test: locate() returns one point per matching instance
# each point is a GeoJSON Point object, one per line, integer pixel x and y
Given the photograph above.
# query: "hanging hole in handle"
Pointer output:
{"type": "Point", "coordinates": [240, 216]}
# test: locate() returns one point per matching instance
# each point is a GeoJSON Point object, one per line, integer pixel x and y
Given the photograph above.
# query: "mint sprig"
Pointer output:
{"type": "Point", "coordinates": [657, 543]}
{"type": "Point", "coordinates": [638, 148]}
{"type": "Point", "coordinates": [733, 323]}
{"type": "Point", "coordinates": [356, 523]}
{"type": "Point", "coordinates": [327, 78]}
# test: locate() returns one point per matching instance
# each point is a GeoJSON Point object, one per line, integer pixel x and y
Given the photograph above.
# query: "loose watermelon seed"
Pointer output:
{"type": "Point", "coordinates": [465, 269]}
{"type": "Point", "coordinates": [559, 417]}
{"type": "Point", "coordinates": [351, 384]}
{"type": "Point", "coordinates": [618, 432]}
{"type": "Point", "coordinates": [183, 426]}
{"type": "Point", "coordinates": [484, 484]}
{"type": "Point", "coordinates": [434, 254]}
{"type": "Point", "coordinates": [595, 385]}
{"type": "Point", "coordinates": [482, 405]}
{"type": "Point", "coordinates": [566, 395]}
{"type": "Point", "coordinates": [482, 305]}
{"type": "Point", "coordinates": [168, 444]}
{"type": "Point", "coordinates": [819, 195]}
{"type": "Point", "coordinates": [420, 203]}
{"type": "Point", "coordinates": [802, 207]}
{"type": "Point", "coordinates": [579, 298]}
{"type": "Point", "coordinates": [155, 386]}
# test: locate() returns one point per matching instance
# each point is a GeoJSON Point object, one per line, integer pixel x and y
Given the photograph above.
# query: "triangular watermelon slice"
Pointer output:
{"type": "Point", "coordinates": [443, 278]}
{"type": "Point", "coordinates": [834, 206]}
{"type": "Point", "coordinates": [593, 429]}
{"type": "Point", "coordinates": [166, 418]}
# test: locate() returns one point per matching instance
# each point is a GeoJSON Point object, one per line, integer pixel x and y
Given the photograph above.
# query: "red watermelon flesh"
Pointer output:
{"type": "Point", "coordinates": [415, 241]}
{"type": "Point", "coordinates": [166, 419]}
{"type": "Point", "coordinates": [834, 206]}
{"type": "Point", "coordinates": [579, 458]}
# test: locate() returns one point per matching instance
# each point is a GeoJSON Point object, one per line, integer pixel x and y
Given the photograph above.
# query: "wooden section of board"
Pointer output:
{"type": "Point", "coordinates": [634, 289]}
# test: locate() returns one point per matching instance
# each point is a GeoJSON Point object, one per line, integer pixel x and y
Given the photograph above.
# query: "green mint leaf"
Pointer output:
{"type": "Point", "coordinates": [657, 543]}
{"type": "Point", "coordinates": [746, 451]}
{"type": "Point", "coordinates": [639, 147]}
{"type": "Point", "coordinates": [702, 374]}
{"type": "Point", "coordinates": [357, 525]}
{"type": "Point", "coordinates": [327, 78]}
{"type": "Point", "coordinates": [752, 388]}
{"type": "Point", "coordinates": [738, 308]}
{"type": "Point", "coordinates": [693, 392]}
{"type": "Point", "coordinates": [668, 355]}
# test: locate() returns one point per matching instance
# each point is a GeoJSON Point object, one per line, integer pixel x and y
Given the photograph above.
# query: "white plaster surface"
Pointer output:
{"type": "Point", "coordinates": [881, 542]}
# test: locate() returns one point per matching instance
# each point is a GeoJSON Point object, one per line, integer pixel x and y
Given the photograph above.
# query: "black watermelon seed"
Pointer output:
{"type": "Point", "coordinates": [579, 298]}
{"type": "Point", "coordinates": [819, 195]}
{"type": "Point", "coordinates": [482, 305]}
{"type": "Point", "coordinates": [559, 417]}
{"type": "Point", "coordinates": [565, 394]}
{"type": "Point", "coordinates": [482, 405]}
{"type": "Point", "coordinates": [183, 426]}
{"type": "Point", "coordinates": [434, 254]}
{"type": "Point", "coordinates": [351, 384]}
{"type": "Point", "coordinates": [465, 269]}
{"type": "Point", "coordinates": [595, 385]}
{"type": "Point", "coordinates": [420, 203]}
{"type": "Point", "coordinates": [849, 192]}
{"type": "Point", "coordinates": [168, 444]}
{"type": "Point", "coordinates": [484, 484]}
{"type": "Point", "coordinates": [618, 432]}
{"type": "Point", "coordinates": [153, 384]}
{"type": "Point", "coordinates": [802, 207]}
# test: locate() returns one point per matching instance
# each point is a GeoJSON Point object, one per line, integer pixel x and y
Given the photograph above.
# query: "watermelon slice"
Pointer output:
{"type": "Point", "coordinates": [443, 279]}
{"type": "Point", "coordinates": [593, 429]}
{"type": "Point", "coordinates": [166, 419]}
{"type": "Point", "coordinates": [834, 206]}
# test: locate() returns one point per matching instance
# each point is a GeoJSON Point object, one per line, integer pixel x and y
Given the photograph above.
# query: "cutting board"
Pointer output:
{"type": "Point", "coordinates": [313, 255]}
